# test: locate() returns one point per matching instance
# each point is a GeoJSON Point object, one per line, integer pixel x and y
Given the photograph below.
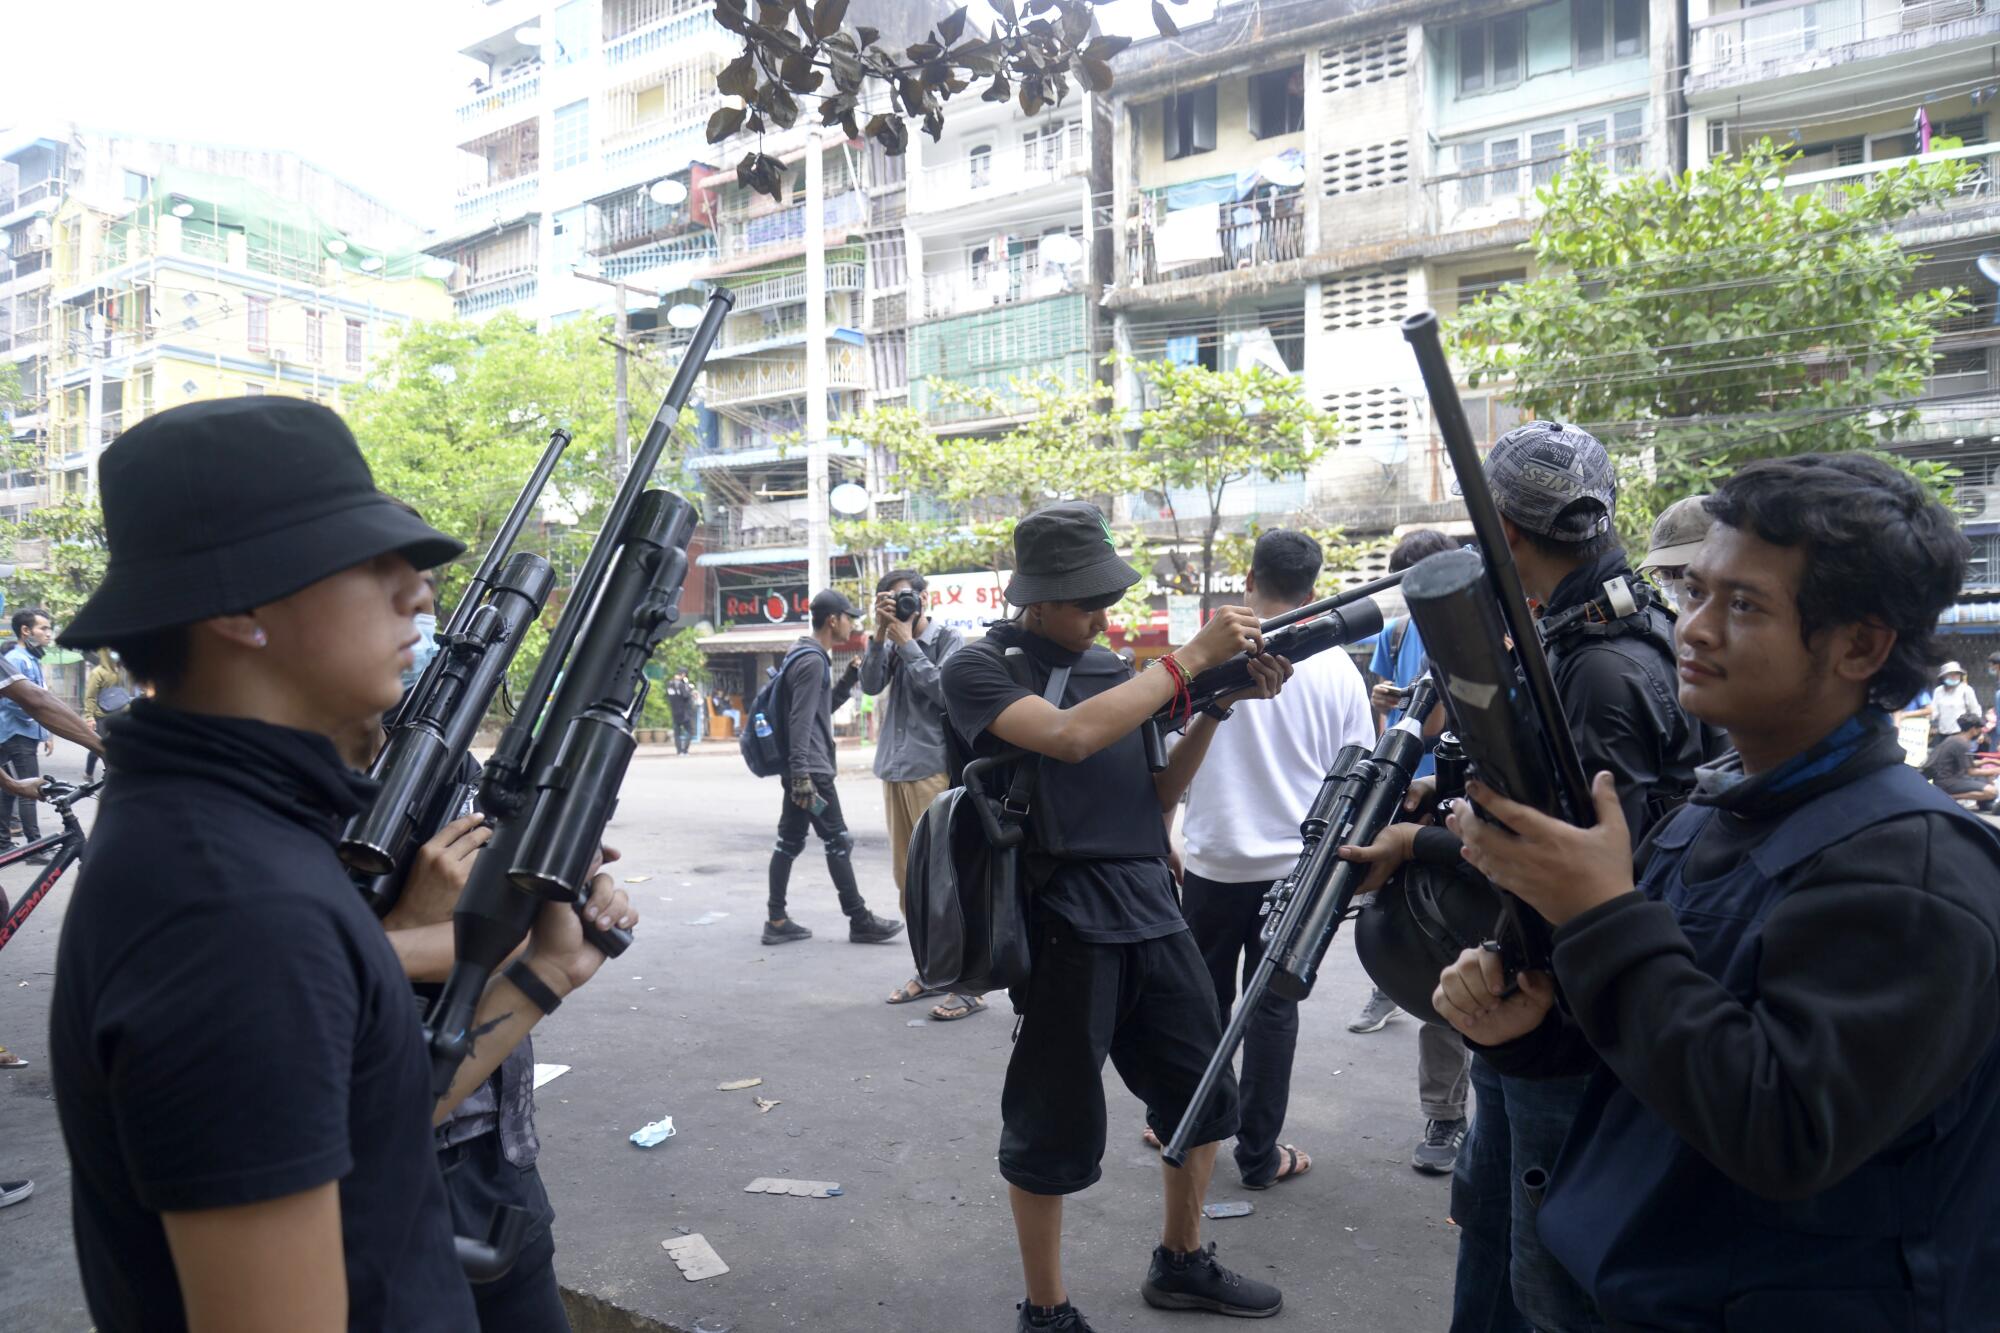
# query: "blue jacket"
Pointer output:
{"type": "Point", "coordinates": [14, 720]}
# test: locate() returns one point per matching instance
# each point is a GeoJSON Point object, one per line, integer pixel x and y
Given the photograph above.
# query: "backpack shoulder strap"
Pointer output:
{"type": "Point", "coordinates": [1028, 768]}
{"type": "Point", "coordinates": [1396, 637]}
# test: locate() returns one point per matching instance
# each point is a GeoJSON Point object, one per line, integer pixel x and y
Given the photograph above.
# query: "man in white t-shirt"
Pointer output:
{"type": "Point", "coordinates": [1242, 831]}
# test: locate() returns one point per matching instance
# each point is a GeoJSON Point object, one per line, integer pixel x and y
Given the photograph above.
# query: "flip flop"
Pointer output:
{"type": "Point", "coordinates": [1293, 1170]}
{"type": "Point", "coordinates": [903, 994]}
{"type": "Point", "coordinates": [967, 1005]}
{"type": "Point", "coordinates": [9, 1060]}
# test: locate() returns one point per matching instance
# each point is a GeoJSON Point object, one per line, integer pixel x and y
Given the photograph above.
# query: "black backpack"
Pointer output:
{"type": "Point", "coordinates": [764, 745]}
{"type": "Point", "coordinates": [966, 895]}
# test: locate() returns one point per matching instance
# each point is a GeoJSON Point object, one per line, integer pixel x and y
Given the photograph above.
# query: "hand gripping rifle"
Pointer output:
{"type": "Point", "coordinates": [1331, 622]}
{"type": "Point", "coordinates": [1501, 698]}
{"type": "Point", "coordinates": [431, 730]}
{"type": "Point", "coordinates": [553, 779]}
{"type": "Point", "coordinates": [1358, 798]}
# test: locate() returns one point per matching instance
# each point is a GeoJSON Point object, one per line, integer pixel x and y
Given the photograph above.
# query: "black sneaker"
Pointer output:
{"type": "Point", "coordinates": [38, 859]}
{"type": "Point", "coordinates": [785, 932]}
{"type": "Point", "coordinates": [1438, 1153]}
{"type": "Point", "coordinates": [1066, 1319]}
{"type": "Point", "coordinates": [1197, 1282]}
{"type": "Point", "coordinates": [871, 929]}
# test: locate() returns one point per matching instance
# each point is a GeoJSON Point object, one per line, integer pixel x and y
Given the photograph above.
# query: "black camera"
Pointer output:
{"type": "Point", "coordinates": [909, 605]}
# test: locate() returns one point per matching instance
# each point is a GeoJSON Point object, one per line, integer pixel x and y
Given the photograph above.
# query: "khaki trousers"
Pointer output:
{"type": "Point", "coordinates": [907, 802]}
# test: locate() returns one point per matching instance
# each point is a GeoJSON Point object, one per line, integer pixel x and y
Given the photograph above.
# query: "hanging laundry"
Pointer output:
{"type": "Point", "coordinates": [1923, 130]}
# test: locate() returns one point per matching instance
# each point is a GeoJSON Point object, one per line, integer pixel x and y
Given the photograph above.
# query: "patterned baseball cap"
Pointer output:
{"type": "Point", "coordinates": [1554, 480]}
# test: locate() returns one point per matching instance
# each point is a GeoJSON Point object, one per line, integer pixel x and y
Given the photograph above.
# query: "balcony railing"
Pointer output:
{"type": "Point", "coordinates": [1247, 235]}
{"type": "Point", "coordinates": [771, 523]}
{"type": "Point", "coordinates": [1505, 192]}
{"type": "Point", "coordinates": [785, 228]}
{"type": "Point", "coordinates": [790, 288]}
{"type": "Point", "coordinates": [692, 22]}
{"type": "Point", "coordinates": [1977, 187]}
{"type": "Point", "coordinates": [1744, 41]}
{"type": "Point", "coordinates": [673, 141]}
{"type": "Point", "coordinates": [750, 380]}
{"type": "Point", "coordinates": [1018, 278]}
{"type": "Point", "coordinates": [506, 198]}
{"type": "Point", "coordinates": [49, 187]}
{"type": "Point", "coordinates": [681, 250]}
{"type": "Point", "coordinates": [1002, 173]}
{"type": "Point", "coordinates": [524, 87]}
{"type": "Point", "coordinates": [497, 297]}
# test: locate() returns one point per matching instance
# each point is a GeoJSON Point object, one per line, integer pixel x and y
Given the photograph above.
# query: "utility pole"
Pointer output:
{"type": "Point", "coordinates": [93, 443]}
{"type": "Point", "coordinates": [622, 436]}
{"type": "Point", "coordinates": [818, 563]}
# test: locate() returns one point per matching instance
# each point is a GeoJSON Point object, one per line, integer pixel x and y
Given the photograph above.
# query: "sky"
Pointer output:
{"type": "Point", "coordinates": [366, 89]}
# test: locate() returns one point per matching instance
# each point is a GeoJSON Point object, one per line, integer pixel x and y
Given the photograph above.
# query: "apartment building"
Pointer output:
{"type": "Point", "coordinates": [1859, 87]}
{"type": "Point", "coordinates": [1288, 184]}
{"type": "Point", "coordinates": [144, 274]}
{"type": "Point", "coordinates": [580, 150]}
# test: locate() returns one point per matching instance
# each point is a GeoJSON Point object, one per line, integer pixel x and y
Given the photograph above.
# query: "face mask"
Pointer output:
{"type": "Point", "coordinates": [1954, 682]}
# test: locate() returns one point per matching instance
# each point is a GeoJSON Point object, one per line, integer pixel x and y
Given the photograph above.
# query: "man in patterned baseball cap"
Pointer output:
{"type": "Point", "coordinates": [1553, 480]}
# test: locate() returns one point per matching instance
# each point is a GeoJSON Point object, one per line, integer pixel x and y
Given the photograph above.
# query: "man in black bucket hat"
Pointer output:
{"type": "Point", "coordinates": [1115, 972]}
{"type": "Point", "coordinates": [240, 1073]}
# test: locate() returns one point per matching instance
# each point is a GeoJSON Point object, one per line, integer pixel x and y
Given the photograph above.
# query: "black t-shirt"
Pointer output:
{"type": "Point", "coordinates": [230, 1026]}
{"type": "Point", "coordinates": [1111, 885]}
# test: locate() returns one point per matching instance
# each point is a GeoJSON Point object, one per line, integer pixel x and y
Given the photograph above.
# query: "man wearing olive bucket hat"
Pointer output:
{"type": "Point", "coordinates": [1114, 973]}
{"type": "Point", "coordinates": [240, 1074]}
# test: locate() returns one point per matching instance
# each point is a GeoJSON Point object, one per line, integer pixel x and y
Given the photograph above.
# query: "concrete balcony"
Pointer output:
{"type": "Point", "coordinates": [790, 288]}
{"type": "Point", "coordinates": [783, 230]}
{"type": "Point", "coordinates": [508, 95]}
{"type": "Point", "coordinates": [1495, 195]}
{"type": "Point", "coordinates": [1245, 235]}
{"type": "Point", "coordinates": [659, 147]}
{"type": "Point", "coordinates": [678, 34]}
{"type": "Point", "coordinates": [666, 258]}
{"type": "Point", "coordinates": [1975, 191]}
{"type": "Point", "coordinates": [729, 383]}
{"type": "Point", "coordinates": [1001, 174]}
{"type": "Point", "coordinates": [1019, 278]}
{"type": "Point", "coordinates": [1756, 46]}
{"type": "Point", "coordinates": [504, 200]}
{"type": "Point", "coordinates": [489, 297]}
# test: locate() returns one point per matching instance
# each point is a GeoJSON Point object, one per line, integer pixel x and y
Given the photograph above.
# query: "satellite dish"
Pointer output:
{"type": "Point", "coordinates": [1061, 248]}
{"type": "Point", "coordinates": [372, 264]}
{"type": "Point", "coordinates": [528, 34]}
{"type": "Point", "coordinates": [438, 268]}
{"type": "Point", "coordinates": [336, 247]}
{"type": "Point", "coordinates": [848, 498]}
{"type": "Point", "coordinates": [684, 316]}
{"type": "Point", "coordinates": [182, 209]}
{"type": "Point", "coordinates": [667, 192]}
{"type": "Point", "coordinates": [1989, 268]}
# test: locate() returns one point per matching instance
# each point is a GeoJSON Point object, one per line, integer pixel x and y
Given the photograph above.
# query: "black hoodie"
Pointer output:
{"type": "Point", "coordinates": [231, 1027]}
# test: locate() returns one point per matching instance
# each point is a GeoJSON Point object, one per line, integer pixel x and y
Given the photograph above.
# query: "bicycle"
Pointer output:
{"type": "Point", "coordinates": [67, 847]}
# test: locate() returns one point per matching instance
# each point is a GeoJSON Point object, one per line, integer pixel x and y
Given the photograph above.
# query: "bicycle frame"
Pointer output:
{"type": "Point", "coordinates": [68, 848]}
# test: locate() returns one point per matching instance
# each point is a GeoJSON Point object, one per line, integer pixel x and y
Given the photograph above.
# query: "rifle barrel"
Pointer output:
{"type": "Point", "coordinates": [1333, 603]}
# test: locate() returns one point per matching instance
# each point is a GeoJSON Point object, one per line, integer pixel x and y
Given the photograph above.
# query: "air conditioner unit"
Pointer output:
{"type": "Point", "coordinates": [1988, 500]}
{"type": "Point", "coordinates": [280, 355]}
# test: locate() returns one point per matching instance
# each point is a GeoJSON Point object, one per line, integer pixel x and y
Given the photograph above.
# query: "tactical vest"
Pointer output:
{"type": "Point", "coordinates": [1662, 1239]}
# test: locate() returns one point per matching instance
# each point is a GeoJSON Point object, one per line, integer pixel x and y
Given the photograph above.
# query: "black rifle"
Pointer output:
{"type": "Point", "coordinates": [1357, 799]}
{"type": "Point", "coordinates": [1502, 699]}
{"type": "Point", "coordinates": [1296, 635]}
{"type": "Point", "coordinates": [433, 727]}
{"type": "Point", "coordinates": [553, 779]}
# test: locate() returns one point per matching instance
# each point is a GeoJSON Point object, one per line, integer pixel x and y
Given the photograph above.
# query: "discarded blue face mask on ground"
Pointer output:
{"type": "Point", "coordinates": [656, 1133]}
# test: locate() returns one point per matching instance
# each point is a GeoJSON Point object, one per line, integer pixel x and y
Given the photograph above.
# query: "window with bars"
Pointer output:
{"type": "Point", "coordinates": [1044, 146]}
{"type": "Point", "coordinates": [257, 331]}
{"type": "Point", "coordinates": [315, 336]}
{"type": "Point", "coordinates": [572, 134]}
{"type": "Point", "coordinates": [356, 343]}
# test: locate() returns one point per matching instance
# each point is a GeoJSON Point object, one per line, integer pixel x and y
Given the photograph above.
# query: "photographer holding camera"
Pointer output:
{"type": "Point", "coordinates": [906, 650]}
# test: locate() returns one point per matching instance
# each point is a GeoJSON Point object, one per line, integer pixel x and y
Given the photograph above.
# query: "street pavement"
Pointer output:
{"type": "Point", "coordinates": [902, 1112]}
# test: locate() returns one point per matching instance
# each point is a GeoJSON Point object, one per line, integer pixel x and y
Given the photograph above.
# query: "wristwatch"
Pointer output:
{"type": "Point", "coordinates": [1218, 712]}
{"type": "Point", "coordinates": [525, 981]}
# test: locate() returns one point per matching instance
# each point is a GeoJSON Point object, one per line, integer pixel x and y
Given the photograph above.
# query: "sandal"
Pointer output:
{"type": "Point", "coordinates": [1295, 1164]}
{"type": "Point", "coordinates": [913, 989]}
{"type": "Point", "coordinates": [956, 1007]}
{"type": "Point", "coordinates": [9, 1060]}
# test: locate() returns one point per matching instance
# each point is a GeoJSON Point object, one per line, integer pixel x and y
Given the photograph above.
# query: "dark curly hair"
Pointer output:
{"type": "Point", "coordinates": [1878, 548]}
{"type": "Point", "coordinates": [1419, 545]}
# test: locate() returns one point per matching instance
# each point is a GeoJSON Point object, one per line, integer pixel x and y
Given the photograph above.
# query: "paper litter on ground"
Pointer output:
{"type": "Point", "coordinates": [546, 1074]}
{"type": "Point", "coordinates": [798, 1189]}
{"type": "Point", "coordinates": [694, 1256]}
{"type": "Point", "coordinates": [738, 1084]}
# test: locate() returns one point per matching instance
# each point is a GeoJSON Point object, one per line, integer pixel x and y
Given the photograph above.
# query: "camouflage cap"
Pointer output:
{"type": "Point", "coordinates": [1554, 480]}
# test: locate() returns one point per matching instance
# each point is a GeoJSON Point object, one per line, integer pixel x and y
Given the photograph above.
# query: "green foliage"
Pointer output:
{"type": "Point", "coordinates": [1698, 322]}
{"type": "Point", "coordinates": [72, 534]}
{"type": "Point", "coordinates": [1208, 430]}
{"type": "Point", "coordinates": [454, 416]}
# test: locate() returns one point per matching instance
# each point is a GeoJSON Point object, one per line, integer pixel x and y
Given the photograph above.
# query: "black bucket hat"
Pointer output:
{"type": "Point", "coordinates": [215, 508]}
{"type": "Point", "coordinates": [1064, 553]}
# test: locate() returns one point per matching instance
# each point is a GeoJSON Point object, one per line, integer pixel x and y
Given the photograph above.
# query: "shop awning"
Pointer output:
{"type": "Point", "coordinates": [752, 639]}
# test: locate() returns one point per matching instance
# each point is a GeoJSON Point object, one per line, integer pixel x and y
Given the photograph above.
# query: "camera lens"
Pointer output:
{"type": "Point", "coordinates": [908, 605]}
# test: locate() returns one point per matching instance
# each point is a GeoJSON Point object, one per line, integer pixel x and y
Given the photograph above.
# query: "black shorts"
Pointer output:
{"type": "Point", "coordinates": [1963, 786]}
{"type": "Point", "coordinates": [1150, 1007]}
